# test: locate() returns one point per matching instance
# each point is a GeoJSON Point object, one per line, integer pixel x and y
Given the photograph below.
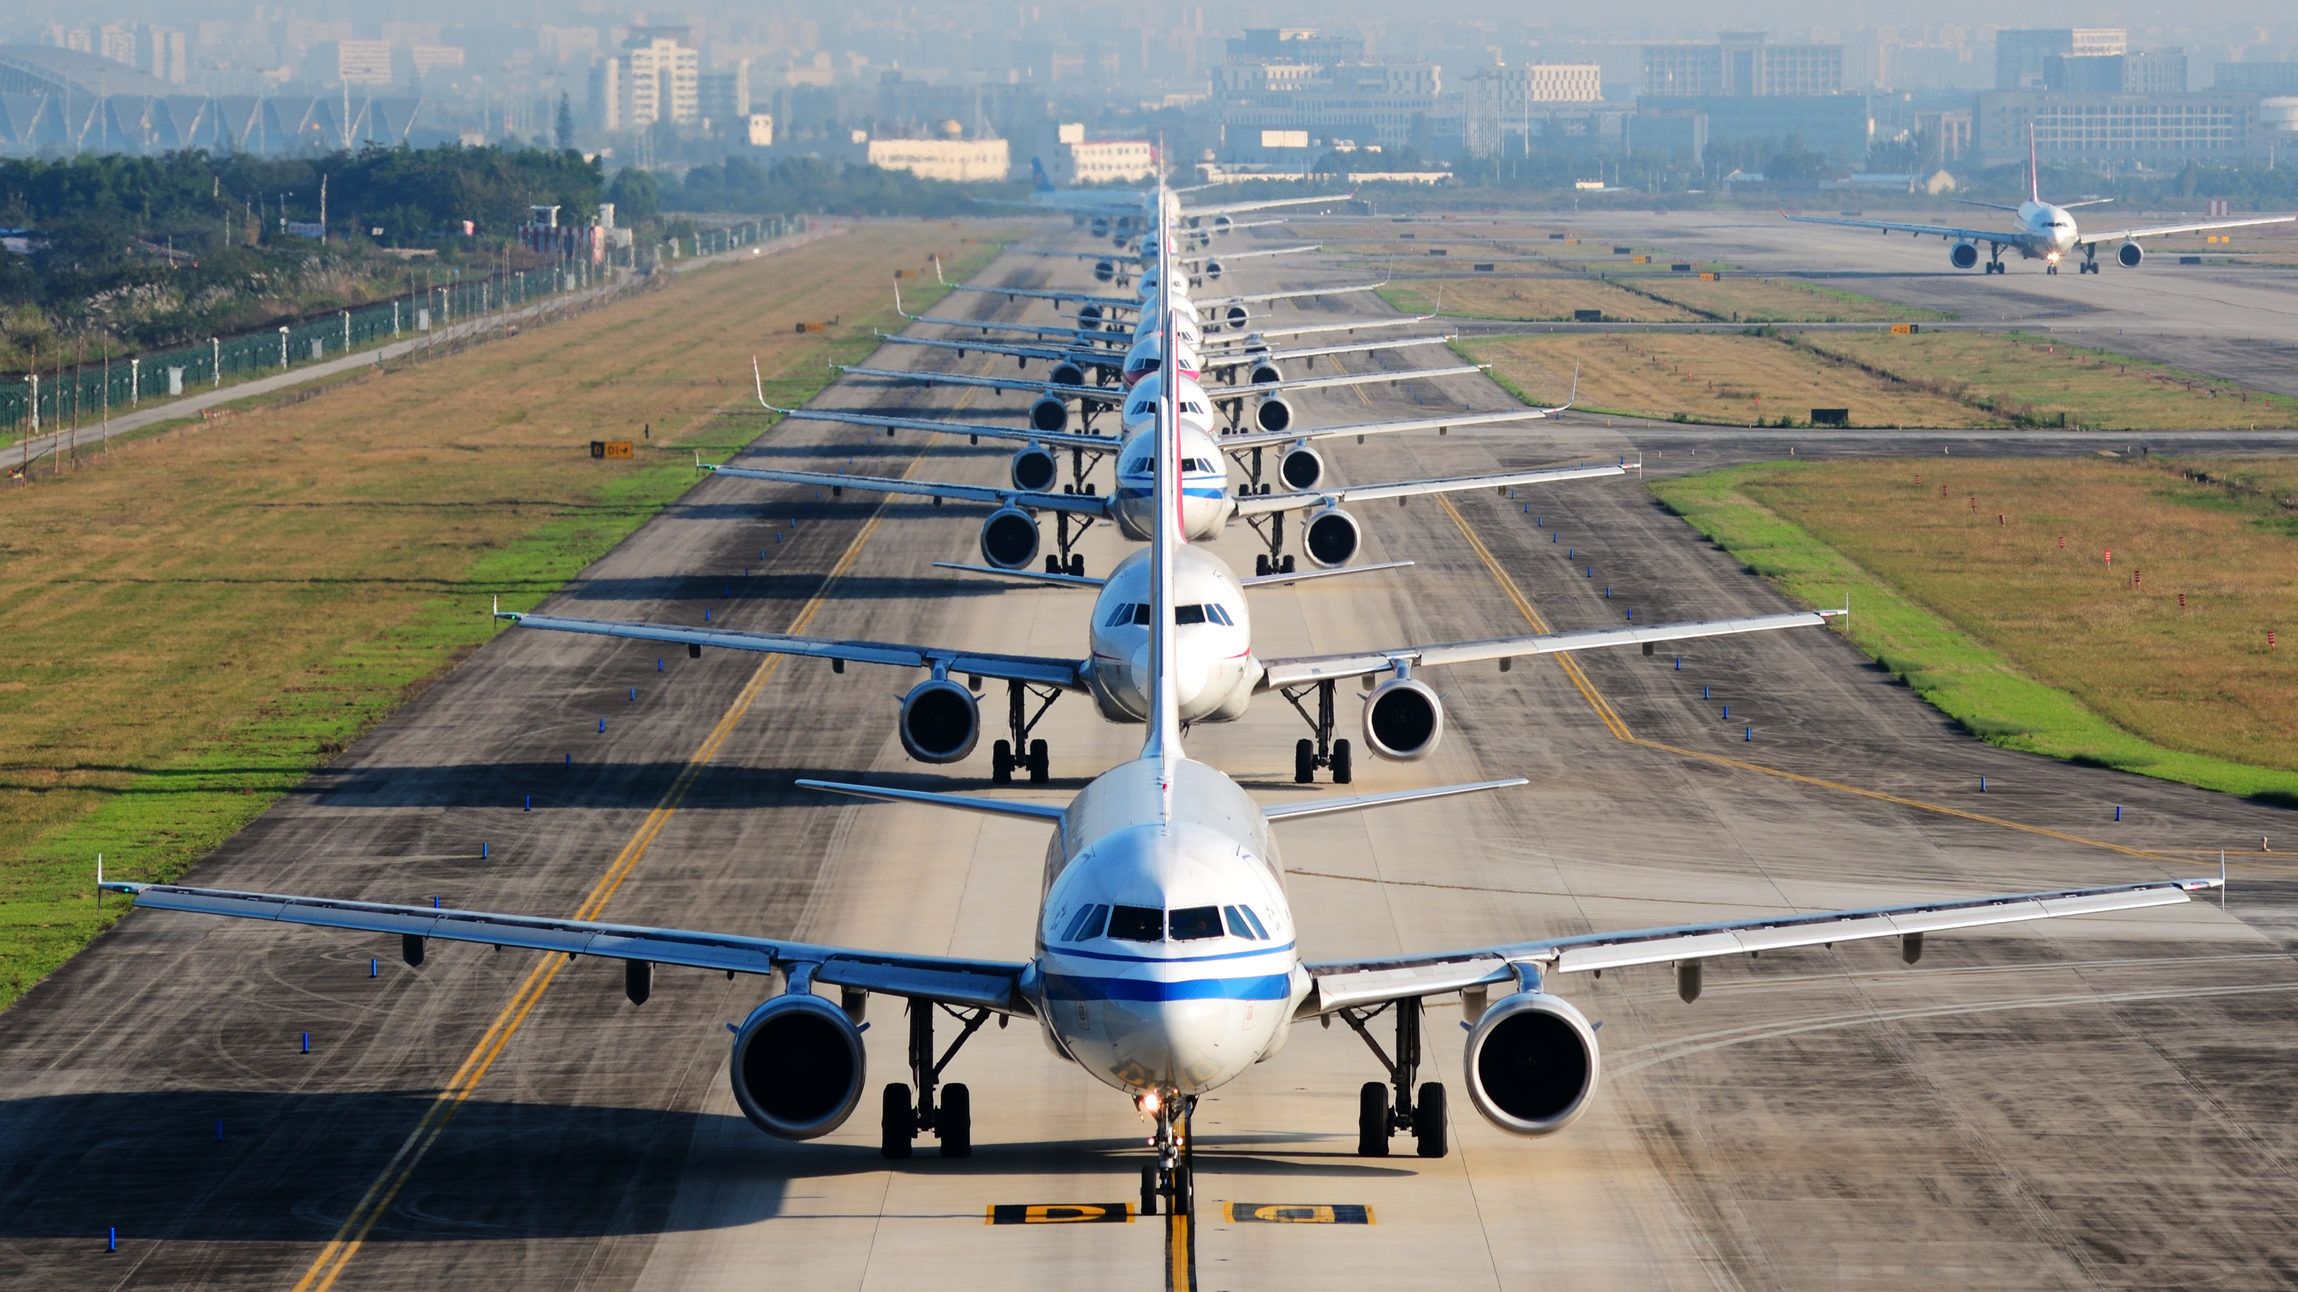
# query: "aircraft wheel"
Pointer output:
{"type": "Point", "coordinates": [1001, 762]}
{"type": "Point", "coordinates": [1052, 563]}
{"type": "Point", "coordinates": [1149, 1190]}
{"type": "Point", "coordinates": [954, 1123]}
{"type": "Point", "coordinates": [1344, 767]}
{"type": "Point", "coordinates": [1040, 762]}
{"type": "Point", "coordinates": [1304, 761]}
{"type": "Point", "coordinates": [1372, 1120]}
{"type": "Point", "coordinates": [1077, 565]}
{"type": "Point", "coordinates": [897, 1122]}
{"type": "Point", "coordinates": [1428, 1127]}
{"type": "Point", "coordinates": [1261, 566]}
{"type": "Point", "coordinates": [1291, 564]}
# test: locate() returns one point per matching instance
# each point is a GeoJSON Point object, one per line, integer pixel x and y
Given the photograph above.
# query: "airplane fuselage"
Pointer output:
{"type": "Point", "coordinates": [1215, 673]}
{"type": "Point", "coordinates": [2046, 232]}
{"type": "Point", "coordinates": [1166, 960]}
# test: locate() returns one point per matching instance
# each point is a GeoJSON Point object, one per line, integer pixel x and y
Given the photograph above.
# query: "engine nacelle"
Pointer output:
{"type": "Point", "coordinates": [1235, 315]}
{"type": "Point", "coordinates": [1403, 719]}
{"type": "Point", "coordinates": [1034, 469]}
{"type": "Point", "coordinates": [1274, 415]}
{"type": "Point", "coordinates": [1221, 224]}
{"type": "Point", "coordinates": [1265, 373]}
{"type": "Point", "coordinates": [2128, 255]}
{"type": "Point", "coordinates": [1963, 256]}
{"type": "Point", "coordinates": [1532, 1063]}
{"type": "Point", "coordinates": [1104, 271]}
{"type": "Point", "coordinates": [797, 1066]}
{"type": "Point", "coordinates": [1049, 414]}
{"type": "Point", "coordinates": [1214, 269]}
{"type": "Point", "coordinates": [1089, 318]}
{"type": "Point", "coordinates": [940, 721]}
{"type": "Point", "coordinates": [1331, 538]}
{"type": "Point", "coordinates": [1009, 539]}
{"type": "Point", "coordinates": [1067, 372]}
{"type": "Point", "coordinates": [1100, 226]}
{"type": "Point", "coordinates": [1301, 467]}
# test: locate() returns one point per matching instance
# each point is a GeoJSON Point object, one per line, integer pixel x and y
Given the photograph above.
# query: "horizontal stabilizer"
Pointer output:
{"type": "Point", "coordinates": [962, 802]}
{"type": "Point", "coordinates": [1321, 807]}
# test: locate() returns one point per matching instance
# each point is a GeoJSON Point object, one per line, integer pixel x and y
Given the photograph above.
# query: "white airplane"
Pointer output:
{"type": "Point", "coordinates": [1215, 671]}
{"type": "Point", "coordinates": [1011, 540]}
{"type": "Point", "coordinates": [1166, 961]}
{"type": "Point", "coordinates": [1094, 310]}
{"type": "Point", "coordinates": [2045, 231]}
{"type": "Point", "coordinates": [1104, 337]}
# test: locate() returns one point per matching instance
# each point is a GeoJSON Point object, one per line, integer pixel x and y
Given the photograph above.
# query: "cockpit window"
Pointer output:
{"type": "Point", "coordinates": [1259, 929]}
{"type": "Point", "coordinates": [1087, 924]}
{"type": "Point", "coordinates": [1196, 464]}
{"type": "Point", "coordinates": [1141, 466]}
{"type": "Point", "coordinates": [1191, 923]}
{"type": "Point", "coordinates": [1189, 614]}
{"type": "Point", "coordinates": [1137, 923]}
{"type": "Point", "coordinates": [1237, 926]}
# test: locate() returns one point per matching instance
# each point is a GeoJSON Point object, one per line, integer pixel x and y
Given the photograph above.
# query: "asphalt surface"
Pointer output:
{"type": "Point", "coordinates": [2097, 1102]}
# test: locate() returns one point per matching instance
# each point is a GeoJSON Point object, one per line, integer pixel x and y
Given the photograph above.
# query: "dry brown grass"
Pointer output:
{"type": "Point", "coordinates": [1529, 299]}
{"type": "Point", "coordinates": [1733, 380]}
{"type": "Point", "coordinates": [1736, 299]}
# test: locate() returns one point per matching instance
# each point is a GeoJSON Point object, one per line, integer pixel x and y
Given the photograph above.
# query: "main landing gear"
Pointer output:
{"type": "Point", "coordinates": [1069, 561]}
{"type": "Point", "coordinates": [2090, 260]}
{"type": "Point", "coordinates": [1271, 528]}
{"type": "Point", "coordinates": [1378, 1116]}
{"type": "Point", "coordinates": [1172, 1178]}
{"type": "Point", "coordinates": [1995, 260]}
{"type": "Point", "coordinates": [1020, 753]}
{"type": "Point", "coordinates": [950, 1117]}
{"type": "Point", "coordinates": [1322, 751]}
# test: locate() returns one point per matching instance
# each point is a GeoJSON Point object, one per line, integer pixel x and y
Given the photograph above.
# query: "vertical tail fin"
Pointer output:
{"type": "Point", "coordinates": [1164, 743]}
{"type": "Point", "coordinates": [1038, 179]}
{"type": "Point", "coordinates": [2034, 172]}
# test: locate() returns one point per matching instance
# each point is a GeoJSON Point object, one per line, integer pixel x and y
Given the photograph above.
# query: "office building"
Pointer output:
{"type": "Point", "coordinates": [1741, 64]}
{"type": "Point", "coordinates": [2021, 53]}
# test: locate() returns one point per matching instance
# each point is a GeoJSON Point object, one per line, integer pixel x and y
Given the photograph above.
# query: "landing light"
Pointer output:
{"type": "Point", "coordinates": [1148, 1103]}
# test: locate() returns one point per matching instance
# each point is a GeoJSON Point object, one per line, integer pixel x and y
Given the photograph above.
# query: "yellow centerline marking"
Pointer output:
{"type": "Point", "coordinates": [1619, 727]}
{"type": "Point", "coordinates": [377, 1201]}
{"type": "Point", "coordinates": [1177, 1272]}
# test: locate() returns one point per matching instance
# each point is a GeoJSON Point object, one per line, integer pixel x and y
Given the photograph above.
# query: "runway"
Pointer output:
{"type": "Point", "coordinates": [2227, 320]}
{"type": "Point", "coordinates": [2100, 1102]}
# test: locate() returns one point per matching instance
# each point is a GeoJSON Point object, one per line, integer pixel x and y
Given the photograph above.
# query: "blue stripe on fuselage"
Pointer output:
{"type": "Point", "coordinates": [1275, 986]}
{"type": "Point", "coordinates": [1143, 491]}
{"type": "Point", "coordinates": [1168, 960]}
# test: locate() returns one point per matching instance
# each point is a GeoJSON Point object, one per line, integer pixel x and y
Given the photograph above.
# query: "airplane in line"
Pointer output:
{"type": "Point", "coordinates": [1166, 959]}
{"type": "Point", "coordinates": [2045, 231]}
{"type": "Point", "coordinates": [1102, 337]}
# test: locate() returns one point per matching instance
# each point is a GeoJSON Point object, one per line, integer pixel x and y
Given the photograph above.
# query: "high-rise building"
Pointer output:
{"type": "Point", "coordinates": [725, 98]}
{"type": "Point", "coordinates": [161, 52]}
{"type": "Point", "coordinates": [1741, 64]}
{"type": "Point", "coordinates": [2256, 78]}
{"type": "Point", "coordinates": [2147, 73]}
{"type": "Point", "coordinates": [2022, 52]}
{"type": "Point", "coordinates": [2100, 128]}
{"type": "Point", "coordinates": [655, 77]}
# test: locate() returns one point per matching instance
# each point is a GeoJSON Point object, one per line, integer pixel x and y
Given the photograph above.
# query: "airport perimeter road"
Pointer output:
{"type": "Point", "coordinates": [2099, 1102]}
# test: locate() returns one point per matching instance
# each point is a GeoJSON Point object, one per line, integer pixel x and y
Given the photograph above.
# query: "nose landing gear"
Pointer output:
{"type": "Point", "coordinates": [1171, 1180]}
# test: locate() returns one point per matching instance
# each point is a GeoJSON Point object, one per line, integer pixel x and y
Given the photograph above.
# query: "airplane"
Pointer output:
{"type": "Point", "coordinates": [2045, 231]}
{"type": "Point", "coordinates": [1102, 337]}
{"type": "Point", "coordinates": [1216, 674]}
{"type": "Point", "coordinates": [1072, 365]}
{"type": "Point", "coordinates": [1232, 312]}
{"type": "Point", "coordinates": [1166, 959]}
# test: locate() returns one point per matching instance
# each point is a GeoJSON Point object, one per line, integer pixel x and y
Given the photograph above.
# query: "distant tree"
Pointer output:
{"type": "Point", "coordinates": [636, 194]}
{"type": "Point", "coordinates": [565, 132]}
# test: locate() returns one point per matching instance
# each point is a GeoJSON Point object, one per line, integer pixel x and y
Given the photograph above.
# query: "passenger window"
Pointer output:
{"type": "Point", "coordinates": [1137, 923]}
{"type": "Point", "coordinates": [1259, 929]}
{"type": "Point", "coordinates": [1237, 926]}
{"type": "Point", "coordinates": [1192, 923]}
{"type": "Point", "coordinates": [1188, 614]}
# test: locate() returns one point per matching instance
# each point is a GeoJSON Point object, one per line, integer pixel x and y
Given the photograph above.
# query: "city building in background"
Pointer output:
{"type": "Point", "coordinates": [1741, 64]}
{"type": "Point", "coordinates": [2022, 54]}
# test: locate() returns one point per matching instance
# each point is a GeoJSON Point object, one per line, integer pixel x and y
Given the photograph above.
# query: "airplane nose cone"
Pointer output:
{"type": "Point", "coordinates": [1192, 672]}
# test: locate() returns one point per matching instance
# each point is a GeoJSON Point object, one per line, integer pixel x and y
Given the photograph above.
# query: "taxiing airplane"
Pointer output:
{"type": "Point", "coordinates": [2045, 231]}
{"type": "Point", "coordinates": [1167, 959]}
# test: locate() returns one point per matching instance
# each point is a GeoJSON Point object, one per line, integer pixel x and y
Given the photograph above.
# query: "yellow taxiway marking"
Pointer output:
{"type": "Point", "coordinates": [1618, 726]}
{"type": "Point", "coordinates": [376, 1202]}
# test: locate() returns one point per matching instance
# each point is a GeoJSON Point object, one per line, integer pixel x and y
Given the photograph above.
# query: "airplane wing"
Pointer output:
{"type": "Point", "coordinates": [1025, 385]}
{"type": "Point", "coordinates": [1236, 208]}
{"type": "Point", "coordinates": [1999, 237]}
{"type": "Point", "coordinates": [1050, 294]}
{"type": "Point", "coordinates": [1280, 673]}
{"type": "Point", "coordinates": [2158, 230]}
{"type": "Point", "coordinates": [1263, 504]}
{"type": "Point", "coordinates": [1106, 358]}
{"type": "Point", "coordinates": [1225, 359]}
{"type": "Point", "coordinates": [1222, 344]}
{"type": "Point", "coordinates": [1069, 674]}
{"type": "Point", "coordinates": [1055, 439]}
{"type": "Point", "coordinates": [1264, 439]}
{"type": "Point", "coordinates": [1076, 504]}
{"type": "Point", "coordinates": [1226, 394]}
{"type": "Point", "coordinates": [1254, 581]}
{"type": "Point", "coordinates": [984, 984]}
{"type": "Point", "coordinates": [1254, 254]}
{"type": "Point", "coordinates": [1345, 984]}
{"type": "Point", "coordinates": [1298, 294]}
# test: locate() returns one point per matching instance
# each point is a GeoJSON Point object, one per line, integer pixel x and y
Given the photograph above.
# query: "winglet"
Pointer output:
{"type": "Point", "coordinates": [898, 301]}
{"type": "Point", "coordinates": [2034, 169]}
{"type": "Point", "coordinates": [2221, 875]}
{"type": "Point", "coordinates": [757, 380]}
{"type": "Point", "coordinates": [938, 270]}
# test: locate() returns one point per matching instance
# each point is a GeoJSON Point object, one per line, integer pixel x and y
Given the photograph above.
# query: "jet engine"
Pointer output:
{"type": "Point", "coordinates": [1331, 537]}
{"type": "Point", "coordinates": [1235, 314]}
{"type": "Point", "coordinates": [1067, 372]}
{"type": "Point", "coordinates": [1089, 318]}
{"type": "Point", "coordinates": [1963, 256]}
{"type": "Point", "coordinates": [1104, 271]}
{"type": "Point", "coordinates": [1213, 270]}
{"type": "Point", "coordinates": [1009, 538]}
{"type": "Point", "coordinates": [940, 721]}
{"type": "Point", "coordinates": [1048, 414]}
{"type": "Point", "coordinates": [1100, 226]}
{"type": "Point", "coordinates": [1532, 1063]}
{"type": "Point", "coordinates": [1274, 414]}
{"type": "Point", "coordinates": [1221, 223]}
{"type": "Point", "coordinates": [1403, 719]}
{"type": "Point", "coordinates": [2128, 255]}
{"type": "Point", "coordinates": [1035, 469]}
{"type": "Point", "coordinates": [1301, 467]}
{"type": "Point", "coordinates": [797, 1066]}
{"type": "Point", "coordinates": [1265, 372]}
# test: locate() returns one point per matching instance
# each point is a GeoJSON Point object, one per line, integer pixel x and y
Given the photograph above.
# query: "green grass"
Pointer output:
{"type": "Point", "coordinates": [1940, 650]}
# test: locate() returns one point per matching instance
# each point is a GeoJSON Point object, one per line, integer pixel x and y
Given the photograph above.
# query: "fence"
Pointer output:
{"type": "Point", "coordinates": [82, 392]}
